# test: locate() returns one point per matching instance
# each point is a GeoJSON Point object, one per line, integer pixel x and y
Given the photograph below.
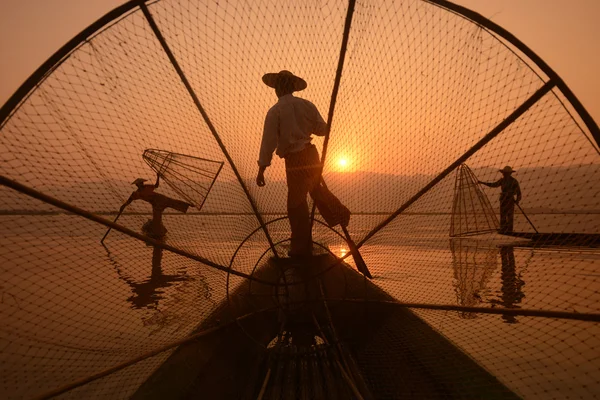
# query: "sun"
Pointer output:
{"type": "Point", "coordinates": [343, 163]}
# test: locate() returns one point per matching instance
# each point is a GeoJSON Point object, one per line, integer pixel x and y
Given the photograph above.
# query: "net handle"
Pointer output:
{"type": "Point", "coordinates": [110, 227]}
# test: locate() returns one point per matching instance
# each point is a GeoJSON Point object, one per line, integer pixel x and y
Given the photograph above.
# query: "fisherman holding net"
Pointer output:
{"type": "Point", "coordinates": [154, 227]}
{"type": "Point", "coordinates": [509, 189]}
{"type": "Point", "coordinates": [288, 127]}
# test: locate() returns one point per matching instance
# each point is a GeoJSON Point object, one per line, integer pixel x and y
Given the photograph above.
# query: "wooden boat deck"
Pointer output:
{"type": "Point", "coordinates": [378, 350]}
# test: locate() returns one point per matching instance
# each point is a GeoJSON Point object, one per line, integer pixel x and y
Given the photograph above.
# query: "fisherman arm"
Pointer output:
{"type": "Point", "coordinates": [129, 200]}
{"type": "Point", "coordinates": [491, 184]}
{"type": "Point", "coordinates": [320, 127]}
{"type": "Point", "coordinates": [517, 192]}
{"type": "Point", "coordinates": [268, 145]}
{"type": "Point", "coordinates": [260, 178]}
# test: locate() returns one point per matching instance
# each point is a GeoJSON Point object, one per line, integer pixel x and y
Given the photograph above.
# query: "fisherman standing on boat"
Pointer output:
{"type": "Point", "coordinates": [509, 189]}
{"type": "Point", "coordinates": [289, 125]}
{"type": "Point", "coordinates": [154, 227]}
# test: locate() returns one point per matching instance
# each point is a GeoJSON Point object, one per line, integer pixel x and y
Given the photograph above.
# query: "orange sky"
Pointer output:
{"type": "Point", "coordinates": [424, 118]}
{"type": "Point", "coordinates": [563, 32]}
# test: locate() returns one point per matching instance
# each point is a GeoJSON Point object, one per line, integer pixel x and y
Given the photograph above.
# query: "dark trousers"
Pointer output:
{"type": "Point", "coordinates": [507, 213]}
{"type": "Point", "coordinates": [302, 171]}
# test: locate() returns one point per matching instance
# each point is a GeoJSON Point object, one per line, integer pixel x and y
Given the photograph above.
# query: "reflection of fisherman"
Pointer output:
{"type": "Point", "coordinates": [147, 293]}
{"type": "Point", "coordinates": [512, 284]}
{"type": "Point", "coordinates": [154, 227]}
{"type": "Point", "coordinates": [510, 189]}
{"type": "Point", "coordinates": [288, 128]}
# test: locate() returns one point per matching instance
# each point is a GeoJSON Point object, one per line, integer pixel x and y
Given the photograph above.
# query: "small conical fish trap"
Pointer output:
{"type": "Point", "coordinates": [411, 89]}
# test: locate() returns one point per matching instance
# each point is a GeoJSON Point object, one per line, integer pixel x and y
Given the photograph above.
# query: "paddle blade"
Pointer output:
{"type": "Point", "coordinates": [358, 260]}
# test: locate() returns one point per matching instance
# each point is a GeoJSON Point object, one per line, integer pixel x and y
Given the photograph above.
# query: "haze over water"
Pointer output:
{"type": "Point", "coordinates": [114, 304]}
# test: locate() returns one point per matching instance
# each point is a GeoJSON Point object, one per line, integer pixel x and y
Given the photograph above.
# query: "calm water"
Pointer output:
{"type": "Point", "coordinates": [71, 307]}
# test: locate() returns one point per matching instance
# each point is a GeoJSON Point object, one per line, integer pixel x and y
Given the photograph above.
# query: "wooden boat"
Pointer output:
{"type": "Point", "coordinates": [560, 239]}
{"type": "Point", "coordinates": [413, 90]}
{"type": "Point", "coordinates": [354, 331]}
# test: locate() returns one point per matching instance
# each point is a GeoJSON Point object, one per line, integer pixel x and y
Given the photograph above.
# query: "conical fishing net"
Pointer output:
{"type": "Point", "coordinates": [472, 212]}
{"type": "Point", "coordinates": [191, 178]}
{"type": "Point", "coordinates": [411, 89]}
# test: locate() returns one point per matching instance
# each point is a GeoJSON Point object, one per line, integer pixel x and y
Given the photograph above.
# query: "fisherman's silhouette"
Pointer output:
{"type": "Point", "coordinates": [289, 125]}
{"type": "Point", "coordinates": [509, 189]}
{"type": "Point", "coordinates": [512, 285]}
{"type": "Point", "coordinates": [147, 293]}
{"type": "Point", "coordinates": [154, 227]}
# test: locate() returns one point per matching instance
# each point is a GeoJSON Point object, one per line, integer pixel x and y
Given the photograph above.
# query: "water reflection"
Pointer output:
{"type": "Point", "coordinates": [339, 250]}
{"type": "Point", "coordinates": [147, 293]}
{"type": "Point", "coordinates": [474, 264]}
{"type": "Point", "coordinates": [512, 284]}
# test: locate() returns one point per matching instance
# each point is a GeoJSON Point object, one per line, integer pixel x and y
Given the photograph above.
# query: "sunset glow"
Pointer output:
{"type": "Point", "coordinates": [343, 163]}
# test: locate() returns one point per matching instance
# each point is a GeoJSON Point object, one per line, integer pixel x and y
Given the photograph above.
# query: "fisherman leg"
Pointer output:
{"type": "Point", "coordinates": [330, 207]}
{"type": "Point", "coordinates": [300, 174]}
{"type": "Point", "coordinates": [300, 225]}
{"type": "Point", "coordinates": [510, 215]}
{"type": "Point", "coordinates": [155, 228]}
{"type": "Point", "coordinates": [505, 224]}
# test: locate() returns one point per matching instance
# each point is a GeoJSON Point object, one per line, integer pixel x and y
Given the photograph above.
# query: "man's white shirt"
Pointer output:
{"type": "Point", "coordinates": [288, 127]}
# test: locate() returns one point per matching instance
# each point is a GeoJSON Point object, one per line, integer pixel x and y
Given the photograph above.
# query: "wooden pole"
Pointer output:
{"type": "Point", "coordinates": [208, 122]}
{"type": "Point", "coordinates": [358, 260]}
{"type": "Point", "coordinates": [527, 218]}
{"type": "Point", "coordinates": [334, 92]}
{"type": "Point", "coordinates": [110, 227]}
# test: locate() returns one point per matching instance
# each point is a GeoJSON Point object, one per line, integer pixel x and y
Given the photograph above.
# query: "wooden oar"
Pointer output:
{"type": "Point", "coordinates": [527, 218]}
{"type": "Point", "coordinates": [106, 234]}
{"type": "Point", "coordinates": [358, 260]}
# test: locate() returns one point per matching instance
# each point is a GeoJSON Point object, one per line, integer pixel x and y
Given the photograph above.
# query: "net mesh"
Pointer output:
{"type": "Point", "coordinates": [191, 178]}
{"type": "Point", "coordinates": [471, 210]}
{"type": "Point", "coordinates": [421, 85]}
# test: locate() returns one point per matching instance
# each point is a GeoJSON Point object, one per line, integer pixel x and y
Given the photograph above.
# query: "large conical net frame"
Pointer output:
{"type": "Point", "coordinates": [411, 90]}
{"type": "Point", "coordinates": [472, 212]}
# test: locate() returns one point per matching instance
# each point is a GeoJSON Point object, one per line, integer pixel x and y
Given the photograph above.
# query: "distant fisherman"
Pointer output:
{"type": "Point", "coordinates": [289, 125]}
{"type": "Point", "coordinates": [154, 227]}
{"type": "Point", "coordinates": [510, 189]}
